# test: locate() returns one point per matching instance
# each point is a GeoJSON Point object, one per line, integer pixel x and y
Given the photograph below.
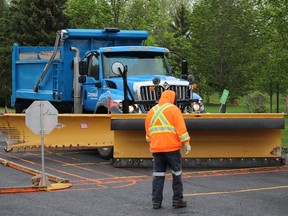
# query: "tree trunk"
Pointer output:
{"type": "Point", "coordinates": [271, 96]}
{"type": "Point", "coordinates": [277, 98]}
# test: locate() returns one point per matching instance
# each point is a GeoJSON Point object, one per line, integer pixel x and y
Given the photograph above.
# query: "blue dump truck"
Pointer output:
{"type": "Point", "coordinates": [98, 71]}
{"type": "Point", "coordinates": [106, 80]}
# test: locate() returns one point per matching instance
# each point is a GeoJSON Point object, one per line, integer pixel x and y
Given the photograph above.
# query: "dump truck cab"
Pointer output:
{"type": "Point", "coordinates": [103, 88]}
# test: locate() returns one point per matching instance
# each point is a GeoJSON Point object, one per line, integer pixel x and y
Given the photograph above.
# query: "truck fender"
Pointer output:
{"type": "Point", "coordinates": [105, 103]}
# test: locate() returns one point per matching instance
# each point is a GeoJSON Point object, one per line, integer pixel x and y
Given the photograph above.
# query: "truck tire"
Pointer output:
{"type": "Point", "coordinates": [106, 152]}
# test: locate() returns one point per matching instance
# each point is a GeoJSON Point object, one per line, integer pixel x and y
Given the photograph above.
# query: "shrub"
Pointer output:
{"type": "Point", "coordinates": [255, 102]}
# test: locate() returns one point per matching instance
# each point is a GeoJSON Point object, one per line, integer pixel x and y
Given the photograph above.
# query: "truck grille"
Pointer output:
{"type": "Point", "coordinates": [146, 94]}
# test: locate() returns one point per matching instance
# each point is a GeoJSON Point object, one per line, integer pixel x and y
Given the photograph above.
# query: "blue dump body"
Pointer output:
{"type": "Point", "coordinates": [57, 85]}
{"type": "Point", "coordinates": [104, 47]}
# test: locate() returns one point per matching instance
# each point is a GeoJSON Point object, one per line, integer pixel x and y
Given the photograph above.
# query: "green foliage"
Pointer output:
{"type": "Point", "coordinates": [181, 21]}
{"type": "Point", "coordinates": [97, 14]}
{"type": "Point", "coordinates": [138, 16]}
{"type": "Point", "coordinates": [255, 102]}
{"type": "Point", "coordinates": [5, 74]}
{"type": "Point", "coordinates": [32, 22]}
{"type": "Point", "coordinates": [89, 14]}
{"type": "Point", "coordinates": [35, 22]}
{"type": "Point", "coordinates": [272, 54]}
{"type": "Point", "coordinates": [238, 45]}
{"type": "Point", "coordinates": [5, 56]}
{"type": "Point", "coordinates": [223, 43]}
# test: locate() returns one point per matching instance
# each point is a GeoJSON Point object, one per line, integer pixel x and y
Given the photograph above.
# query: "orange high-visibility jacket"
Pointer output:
{"type": "Point", "coordinates": [165, 126]}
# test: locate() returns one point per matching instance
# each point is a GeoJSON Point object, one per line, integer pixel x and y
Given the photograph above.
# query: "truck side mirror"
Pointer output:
{"type": "Point", "coordinates": [83, 70]}
{"type": "Point", "coordinates": [118, 68]}
{"type": "Point", "coordinates": [184, 68]}
{"type": "Point", "coordinates": [82, 79]}
{"type": "Point", "coordinates": [191, 78]}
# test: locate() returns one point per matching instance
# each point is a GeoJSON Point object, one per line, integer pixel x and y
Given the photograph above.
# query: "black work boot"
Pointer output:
{"type": "Point", "coordinates": [156, 205]}
{"type": "Point", "coordinates": [179, 204]}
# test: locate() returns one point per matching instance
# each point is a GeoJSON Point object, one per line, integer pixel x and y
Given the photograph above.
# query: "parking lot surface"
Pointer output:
{"type": "Point", "coordinates": [98, 188]}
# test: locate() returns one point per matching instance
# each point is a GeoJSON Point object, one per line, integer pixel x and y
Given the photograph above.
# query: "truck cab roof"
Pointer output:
{"type": "Point", "coordinates": [134, 49]}
{"type": "Point", "coordinates": [103, 34]}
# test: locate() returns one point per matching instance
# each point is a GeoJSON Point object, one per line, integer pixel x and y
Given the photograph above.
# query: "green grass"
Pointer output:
{"type": "Point", "coordinates": [214, 108]}
{"type": "Point", "coordinates": [10, 110]}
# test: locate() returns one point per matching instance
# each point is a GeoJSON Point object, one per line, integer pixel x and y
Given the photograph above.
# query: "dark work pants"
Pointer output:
{"type": "Point", "coordinates": [161, 161]}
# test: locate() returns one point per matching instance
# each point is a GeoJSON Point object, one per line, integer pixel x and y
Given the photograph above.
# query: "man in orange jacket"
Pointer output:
{"type": "Point", "coordinates": [166, 132]}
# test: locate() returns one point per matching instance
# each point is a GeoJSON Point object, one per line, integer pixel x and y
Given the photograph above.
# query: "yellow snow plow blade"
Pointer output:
{"type": "Point", "coordinates": [217, 140]}
{"type": "Point", "coordinates": [72, 131]}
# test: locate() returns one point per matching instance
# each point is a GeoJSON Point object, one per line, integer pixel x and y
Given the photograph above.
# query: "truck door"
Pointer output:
{"type": "Point", "coordinates": [91, 89]}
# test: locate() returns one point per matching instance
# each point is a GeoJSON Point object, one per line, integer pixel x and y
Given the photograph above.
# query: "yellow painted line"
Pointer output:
{"type": "Point", "coordinates": [238, 169]}
{"type": "Point", "coordinates": [238, 191]}
{"type": "Point", "coordinates": [132, 177]}
{"type": "Point", "coordinates": [76, 164]}
{"type": "Point", "coordinates": [186, 173]}
{"type": "Point", "coordinates": [104, 163]}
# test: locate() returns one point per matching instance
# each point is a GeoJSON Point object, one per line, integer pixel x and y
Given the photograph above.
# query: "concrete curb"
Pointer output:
{"type": "Point", "coordinates": [59, 185]}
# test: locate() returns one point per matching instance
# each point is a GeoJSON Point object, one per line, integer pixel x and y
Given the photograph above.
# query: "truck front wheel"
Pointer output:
{"type": "Point", "coordinates": [106, 152]}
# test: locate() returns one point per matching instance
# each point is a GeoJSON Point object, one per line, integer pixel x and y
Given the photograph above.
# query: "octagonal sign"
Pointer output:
{"type": "Point", "coordinates": [41, 117]}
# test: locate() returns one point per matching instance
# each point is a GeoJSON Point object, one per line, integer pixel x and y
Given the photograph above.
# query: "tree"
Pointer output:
{"type": "Point", "coordinates": [3, 11]}
{"type": "Point", "coordinates": [32, 22]}
{"type": "Point", "coordinates": [118, 10]}
{"type": "Point", "coordinates": [179, 27]}
{"type": "Point", "coordinates": [5, 56]}
{"type": "Point", "coordinates": [223, 37]}
{"type": "Point", "coordinates": [181, 21]}
{"type": "Point", "coordinates": [89, 14]}
{"type": "Point", "coordinates": [35, 22]}
{"type": "Point", "coordinates": [273, 52]}
{"type": "Point", "coordinates": [146, 15]}
{"type": "Point", "coordinates": [142, 15]}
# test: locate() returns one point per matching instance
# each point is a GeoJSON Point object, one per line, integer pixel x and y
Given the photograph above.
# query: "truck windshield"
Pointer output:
{"type": "Point", "coordinates": [139, 63]}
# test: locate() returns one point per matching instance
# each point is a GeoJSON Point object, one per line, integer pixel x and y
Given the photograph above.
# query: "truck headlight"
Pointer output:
{"type": "Point", "coordinates": [131, 109]}
{"type": "Point", "coordinates": [196, 107]}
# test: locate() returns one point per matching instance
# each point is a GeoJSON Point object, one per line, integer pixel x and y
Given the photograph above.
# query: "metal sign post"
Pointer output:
{"type": "Point", "coordinates": [44, 181]}
{"type": "Point", "coordinates": [41, 118]}
{"type": "Point", "coordinates": [223, 100]}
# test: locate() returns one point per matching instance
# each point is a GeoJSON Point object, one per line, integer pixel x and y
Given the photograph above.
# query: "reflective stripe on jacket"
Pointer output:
{"type": "Point", "coordinates": [165, 126]}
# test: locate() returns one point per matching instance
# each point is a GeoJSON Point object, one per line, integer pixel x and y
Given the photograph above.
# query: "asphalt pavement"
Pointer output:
{"type": "Point", "coordinates": [98, 188]}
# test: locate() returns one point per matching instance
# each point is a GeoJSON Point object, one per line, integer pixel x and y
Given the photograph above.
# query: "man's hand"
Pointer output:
{"type": "Point", "coordinates": [187, 147]}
